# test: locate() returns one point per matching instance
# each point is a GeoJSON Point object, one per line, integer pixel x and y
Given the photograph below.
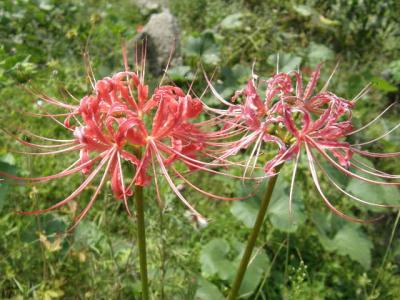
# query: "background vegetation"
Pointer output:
{"type": "Point", "coordinates": [317, 256]}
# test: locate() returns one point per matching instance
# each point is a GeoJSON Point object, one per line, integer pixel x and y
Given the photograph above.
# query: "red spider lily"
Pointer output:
{"type": "Point", "coordinates": [295, 119]}
{"type": "Point", "coordinates": [111, 126]}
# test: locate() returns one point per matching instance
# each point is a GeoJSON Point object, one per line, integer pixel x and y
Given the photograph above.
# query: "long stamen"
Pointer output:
{"type": "Point", "coordinates": [123, 185]}
{"type": "Point", "coordinates": [159, 200]}
{"type": "Point", "coordinates": [362, 93]}
{"type": "Point", "coordinates": [73, 148]}
{"type": "Point", "coordinates": [33, 145]}
{"type": "Point", "coordinates": [296, 163]}
{"type": "Point", "coordinates": [94, 196]}
{"type": "Point", "coordinates": [380, 137]}
{"type": "Point", "coordinates": [377, 174]}
{"type": "Point", "coordinates": [373, 121]}
{"type": "Point", "coordinates": [341, 168]}
{"type": "Point", "coordinates": [325, 87]}
{"type": "Point", "coordinates": [77, 191]}
{"type": "Point", "coordinates": [208, 194]}
{"type": "Point", "coordinates": [214, 91]}
{"type": "Point", "coordinates": [171, 184]}
{"type": "Point", "coordinates": [374, 154]}
{"type": "Point", "coordinates": [27, 132]}
{"type": "Point", "coordinates": [258, 141]}
{"type": "Point", "coordinates": [327, 202]}
{"type": "Point", "coordinates": [350, 195]}
{"type": "Point", "coordinates": [68, 171]}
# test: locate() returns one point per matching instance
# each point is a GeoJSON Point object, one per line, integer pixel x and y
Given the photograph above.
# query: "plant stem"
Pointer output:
{"type": "Point", "coordinates": [383, 264]}
{"type": "Point", "coordinates": [253, 236]}
{"type": "Point", "coordinates": [141, 235]}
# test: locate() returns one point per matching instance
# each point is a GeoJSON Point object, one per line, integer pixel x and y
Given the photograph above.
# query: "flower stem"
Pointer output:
{"type": "Point", "coordinates": [385, 257]}
{"type": "Point", "coordinates": [141, 235]}
{"type": "Point", "coordinates": [253, 236]}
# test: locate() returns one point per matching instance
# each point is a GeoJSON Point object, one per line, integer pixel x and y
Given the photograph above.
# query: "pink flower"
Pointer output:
{"type": "Point", "coordinates": [298, 119]}
{"type": "Point", "coordinates": [121, 121]}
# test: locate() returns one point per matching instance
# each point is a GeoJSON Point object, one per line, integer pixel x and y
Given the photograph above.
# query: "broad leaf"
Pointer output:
{"type": "Point", "coordinates": [287, 62]}
{"type": "Point", "coordinates": [349, 239]}
{"type": "Point", "coordinates": [213, 260]}
{"type": "Point", "coordinates": [255, 271]}
{"type": "Point", "coordinates": [206, 291]}
{"type": "Point", "coordinates": [278, 210]}
{"type": "Point", "coordinates": [304, 10]}
{"type": "Point", "coordinates": [87, 235]}
{"type": "Point", "coordinates": [353, 242]}
{"type": "Point", "coordinates": [373, 193]}
{"type": "Point", "coordinates": [203, 47]}
{"type": "Point", "coordinates": [318, 53]}
{"type": "Point", "coordinates": [7, 163]}
{"type": "Point", "coordinates": [383, 85]}
{"type": "Point", "coordinates": [180, 73]}
{"type": "Point", "coordinates": [233, 21]}
{"type": "Point", "coordinates": [245, 211]}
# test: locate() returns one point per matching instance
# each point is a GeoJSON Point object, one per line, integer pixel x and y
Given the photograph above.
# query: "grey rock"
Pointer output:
{"type": "Point", "coordinates": [150, 6]}
{"type": "Point", "coordinates": [162, 34]}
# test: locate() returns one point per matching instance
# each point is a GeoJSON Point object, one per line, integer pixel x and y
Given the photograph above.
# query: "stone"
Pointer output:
{"type": "Point", "coordinates": [148, 7]}
{"type": "Point", "coordinates": [162, 35]}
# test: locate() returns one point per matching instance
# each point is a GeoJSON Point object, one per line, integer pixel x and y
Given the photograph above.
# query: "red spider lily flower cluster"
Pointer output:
{"type": "Point", "coordinates": [297, 118]}
{"type": "Point", "coordinates": [121, 122]}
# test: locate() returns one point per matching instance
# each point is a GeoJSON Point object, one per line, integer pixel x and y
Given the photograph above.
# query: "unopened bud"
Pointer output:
{"type": "Point", "coordinates": [201, 222]}
{"type": "Point", "coordinates": [180, 187]}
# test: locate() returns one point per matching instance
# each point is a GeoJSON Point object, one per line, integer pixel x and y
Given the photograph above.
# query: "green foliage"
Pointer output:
{"type": "Point", "coordinates": [287, 62]}
{"type": "Point", "coordinates": [7, 164]}
{"type": "Point", "coordinates": [206, 290]}
{"type": "Point", "coordinates": [379, 194]}
{"type": "Point", "coordinates": [220, 259]}
{"type": "Point", "coordinates": [202, 48]}
{"type": "Point", "coordinates": [278, 212]}
{"type": "Point", "coordinates": [349, 240]}
{"type": "Point", "coordinates": [233, 21]}
{"type": "Point", "coordinates": [306, 255]}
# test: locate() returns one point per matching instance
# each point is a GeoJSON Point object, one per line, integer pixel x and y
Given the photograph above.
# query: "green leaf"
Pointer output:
{"type": "Point", "coordinates": [232, 79]}
{"type": "Point", "coordinates": [328, 22]}
{"type": "Point", "coordinates": [318, 53]}
{"type": "Point", "coordinates": [372, 192]}
{"type": "Point", "coordinates": [348, 239]}
{"type": "Point", "coordinates": [8, 159]}
{"type": "Point", "coordinates": [245, 211]}
{"type": "Point", "coordinates": [87, 235]}
{"type": "Point", "coordinates": [394, 67]}
{"type": "Point", "coordinates": [241, 72]}
{"type": "Point", "coordinates": [193, 46]}
{"type": "Point", "coordinates": [255, 271]}
{"type": "Point", "coordinates": [53, 223]}
{"type": "Point", "coordinates": [233, 21]}
{"type": "Point", "coordinates": [180, 73]}
{"type": "Point", "coordinates": [203, 47]}
{"type": "Point", "coordinates": [280, 217]}
{"type": "Point", "coordinates": [45, 5]}
{"type": "Point", "coordinates": [213, 260]}
{"type": "Point", "coordinates": [303, 10]}
{"type": "Point", "coordinates": [353, 242]}
{"type": "Point", "coordinates": [211, 57]}
{"type": "Point", "coordinates": [7, 165]}
{"type": "Point", "coordinates": [383, 85]}
{"type": "Point", "coordinates": [278, 211]}
{"type": "Point", "coordinates": [287, 62]}
{"type": "Point", "coordinates": [206, 291]}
